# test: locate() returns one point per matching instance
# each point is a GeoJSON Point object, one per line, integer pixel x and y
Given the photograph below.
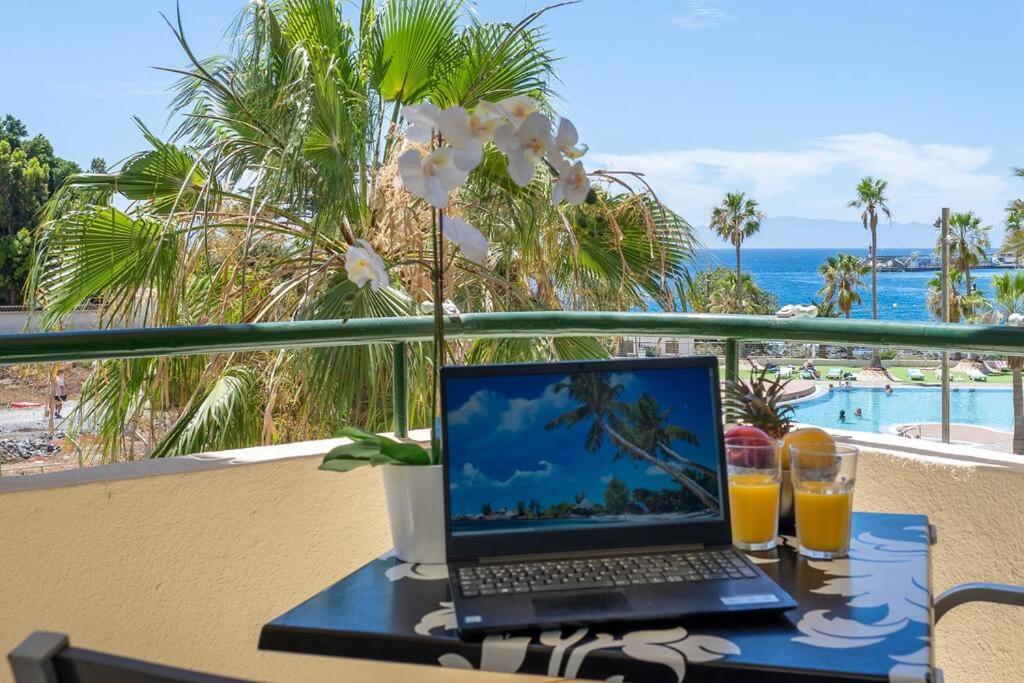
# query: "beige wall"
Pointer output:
{"type": "Point", "coordinates": [185, 568]}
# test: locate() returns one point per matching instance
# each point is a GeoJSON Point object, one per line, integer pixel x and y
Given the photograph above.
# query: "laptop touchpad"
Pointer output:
{"type": "Point", "coordinates": [558, 605]}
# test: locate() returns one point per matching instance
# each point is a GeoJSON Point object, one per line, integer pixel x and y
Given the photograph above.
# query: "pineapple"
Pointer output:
{"type": "Point", "coordinates": [758, 403]}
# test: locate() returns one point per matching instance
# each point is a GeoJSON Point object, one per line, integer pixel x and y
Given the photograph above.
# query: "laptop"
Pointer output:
{"type": "Point", "coordinates": [592, 491]}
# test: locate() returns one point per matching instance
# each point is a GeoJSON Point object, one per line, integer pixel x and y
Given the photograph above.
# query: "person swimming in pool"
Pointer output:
{"type": "Point", "coordinates": [857, 413]}
{"type": "Point", "coordinates": [888, 390]}
{"type": "Point", "coordinates": [842, 416]}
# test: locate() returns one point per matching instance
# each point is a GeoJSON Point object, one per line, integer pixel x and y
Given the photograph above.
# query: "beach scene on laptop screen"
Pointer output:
{"type": "Point", "coordinates": [560, 451]}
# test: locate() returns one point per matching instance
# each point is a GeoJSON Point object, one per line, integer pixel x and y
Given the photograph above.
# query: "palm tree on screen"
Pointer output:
{"type": "Point", "coordinates": [872, 202]}
{"type": "Point", "coordinates": [647, 425]}
{"type": "Point", "coordinates": [600, 401]}
{"type": "Point", "coordinates": [843, 275]}
{"type": "Point", "coordinates": [736, 219]}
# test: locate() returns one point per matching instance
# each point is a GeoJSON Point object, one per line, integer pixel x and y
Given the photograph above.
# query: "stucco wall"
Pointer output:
{"type": "Point", "coordinates": [184, 568]}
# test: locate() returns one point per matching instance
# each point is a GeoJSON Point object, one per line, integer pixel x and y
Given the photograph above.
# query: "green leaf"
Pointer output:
{"type": "Point", "coordinates": [358, 434]}
{"type": "Point", "coordinates": [364, 450]}
{"type": "Point", "coordinates": [342, 465]}
{"type": "Point", "coordinates": [405, 453]}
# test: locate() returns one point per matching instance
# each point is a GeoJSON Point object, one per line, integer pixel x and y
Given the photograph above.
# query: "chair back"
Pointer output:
{"type": "Point", "coordinates": [47, 657]}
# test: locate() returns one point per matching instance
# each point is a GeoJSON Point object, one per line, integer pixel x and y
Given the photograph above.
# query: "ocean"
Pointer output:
{"type": "Point", "coordinates": [792, 274]}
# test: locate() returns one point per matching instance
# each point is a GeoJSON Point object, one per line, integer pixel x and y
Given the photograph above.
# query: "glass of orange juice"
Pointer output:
{"type": "Point", "coordinates": [754, 479]}
{"type": "Point", "coordinates": [823, 479]}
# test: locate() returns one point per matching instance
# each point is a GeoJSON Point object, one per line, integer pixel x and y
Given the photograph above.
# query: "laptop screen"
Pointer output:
{"type": "Point", "coordinates": [582, 449]}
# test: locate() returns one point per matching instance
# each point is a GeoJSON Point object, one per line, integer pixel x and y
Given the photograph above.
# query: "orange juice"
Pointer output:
{"type": "Point", "coordinates": [754, 503]}
{"type": "Point", "coordinates": [823, 511]}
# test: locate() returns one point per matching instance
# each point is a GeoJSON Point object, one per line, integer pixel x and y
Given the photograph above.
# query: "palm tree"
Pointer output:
{"type": "Point", "coordinates": [286, 155]}
{"type": "Point", "coordinates": [843, 275]}
{"type": "Point", "coordinates": [968, 244]}
{"type": "Point", "coordinates": [1008, 300]}
{"type": "Point", "coordinates": [1013, 238]}
{"type": "Point", "coordinates": [600, 401]}
{"type": "Point", "coordinates": [714, 291]}
{"type": "Point", "coordinates": [871, 201]}
{"type": "Point", "coordinates": [734, 221]}
{"type": "Point", "coordinates": [961, 305]}
{"type": "Point", "coordinates": [646, 425]}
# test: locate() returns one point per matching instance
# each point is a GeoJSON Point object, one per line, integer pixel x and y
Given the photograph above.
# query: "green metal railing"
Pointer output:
{"type": "Point", "coordinates": [734, 329]}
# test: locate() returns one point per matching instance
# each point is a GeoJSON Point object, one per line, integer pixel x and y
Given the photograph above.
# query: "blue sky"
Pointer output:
{"type": "Point", "coordinates": [791, 101]}
{"type": "Point", "coordinates": [500, 451]}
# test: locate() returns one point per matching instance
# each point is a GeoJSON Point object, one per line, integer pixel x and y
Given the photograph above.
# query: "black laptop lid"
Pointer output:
{"type": "Point", "coordinates": [582, 455]}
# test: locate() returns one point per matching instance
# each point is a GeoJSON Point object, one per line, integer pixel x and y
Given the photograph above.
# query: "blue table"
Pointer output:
{"type": "Point", "coordinates": [864, 618]}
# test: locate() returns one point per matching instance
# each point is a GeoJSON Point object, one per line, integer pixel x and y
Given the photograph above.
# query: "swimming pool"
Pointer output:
{"type": "Point", "coordinates": [984, 407]}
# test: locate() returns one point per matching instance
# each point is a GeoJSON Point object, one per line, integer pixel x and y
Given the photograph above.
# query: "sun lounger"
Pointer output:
{"type": "Point", "coordinates": [785, 372]}
{"type": "Point", "coordinates": [996, 366]}
{"type": "Point", "coordinates": [977, 375]}
{"type": "Point", "coordinates": [915, 374]}
{"type": "Point", "coordinates": [834, 373]}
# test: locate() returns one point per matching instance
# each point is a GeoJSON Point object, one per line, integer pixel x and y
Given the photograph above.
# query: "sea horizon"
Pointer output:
{"type": "Point", "coordinates": [792, 275]}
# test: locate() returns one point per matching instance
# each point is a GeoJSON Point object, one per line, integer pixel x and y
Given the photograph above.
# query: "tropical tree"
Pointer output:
{"type": "Point", "coordinates": [714, 291]}
{"type": "Point", "coordinates": [736, 219]}
{"type": "Point", "coordinates": [961, 305]}
{"type": "Point", "coordinates": [872, 202]}
{"type": "Point", "coordinates": [1013, 237]}
{"type": "Point", "coordinates": [1007, 306]}
{"type": "Point", "coordinates": [285, 160]}
{"type": "Point", "coordinates": [843, 275]}
{"type": "Point", "coordinates": [599, 401]}
{"type": "Point", "coordinates": [968, 244]}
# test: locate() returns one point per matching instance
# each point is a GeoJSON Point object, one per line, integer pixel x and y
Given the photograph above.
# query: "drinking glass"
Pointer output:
{"type": "Point", "coordinates": [823, 480]}
{"type": "Point", "coordinates": [754, 470]}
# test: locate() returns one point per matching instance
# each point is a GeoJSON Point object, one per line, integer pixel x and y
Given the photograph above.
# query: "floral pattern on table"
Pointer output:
{"type": "Point", "coordinates": [671, 647]}
{"type": "Point", "coordinates": [879, 573]}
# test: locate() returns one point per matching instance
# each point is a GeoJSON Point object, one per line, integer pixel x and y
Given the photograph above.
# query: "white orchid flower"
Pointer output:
{"type": "Point", "coordinates": [573, 184]}
{"type": "Point", "coordinates": [468, 239]}
{"type": "Point", "coordinates": [432, 177]}
{"type": "Point", "coordinates": [566, 140]}
{"type": "Point", "coordinates": [422, 120]}
{"type": "Point", "coordinates": [517, 109]}
{"type": "Point", "coordinates": [364, 265]}
{"type": "Point", "coordinates": [525, 147]}
{"type": "Point", "coordinates": [467, 134]}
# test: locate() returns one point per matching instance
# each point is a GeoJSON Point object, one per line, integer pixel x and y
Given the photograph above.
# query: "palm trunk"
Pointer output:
{"type": "Point", "coordinates": [706, 498]}
{"type": "Point", "coordinates": [739, 280]}
{"type": "Point", "coordinates": [689, 463]}
{"type": "Point", "coordinates": [876, 358]}
{"type": "Point", "coordinates": [1018, 410]}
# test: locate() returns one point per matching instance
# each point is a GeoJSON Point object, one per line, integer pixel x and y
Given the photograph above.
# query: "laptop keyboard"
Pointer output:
{"type": "Point", "coordinates": [602, 572]}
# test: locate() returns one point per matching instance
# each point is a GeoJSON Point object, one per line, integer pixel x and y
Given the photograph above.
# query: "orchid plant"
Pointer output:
{"type": "Point", "coordinates": [444, 148]}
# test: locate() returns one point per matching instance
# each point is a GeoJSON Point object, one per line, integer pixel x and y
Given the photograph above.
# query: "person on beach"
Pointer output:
{"type": "Point", "coordinates": [60, 394]}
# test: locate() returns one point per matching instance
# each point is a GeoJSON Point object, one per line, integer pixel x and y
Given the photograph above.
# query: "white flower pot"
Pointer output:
{"type": "Point", "coordinates": [415, 497]}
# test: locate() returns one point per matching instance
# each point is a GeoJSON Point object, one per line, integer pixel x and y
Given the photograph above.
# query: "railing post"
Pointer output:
{"type": "Point", "coordinates": [400, 389]}
{"type": "Point", "coordinates": [732, 360]}
{"type": "Point", "coordinates": [732, 368]}
{"type": "Point", "coordinates": [945, 318]}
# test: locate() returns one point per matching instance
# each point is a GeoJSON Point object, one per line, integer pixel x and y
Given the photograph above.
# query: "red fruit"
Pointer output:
{"type": "Point", "coordinates": [747, 446]}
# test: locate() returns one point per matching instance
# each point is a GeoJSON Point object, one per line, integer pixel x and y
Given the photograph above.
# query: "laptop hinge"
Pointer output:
{"type": "Point", "coordinates": [599, 552]}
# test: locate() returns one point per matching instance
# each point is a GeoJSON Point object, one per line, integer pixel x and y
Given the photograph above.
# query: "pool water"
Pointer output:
{"type": "Point", "coordinates": [984, 407]}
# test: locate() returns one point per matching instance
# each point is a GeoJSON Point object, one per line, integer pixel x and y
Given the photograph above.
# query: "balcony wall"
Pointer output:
{"type": "Point", "coordinates": [182, 561]}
